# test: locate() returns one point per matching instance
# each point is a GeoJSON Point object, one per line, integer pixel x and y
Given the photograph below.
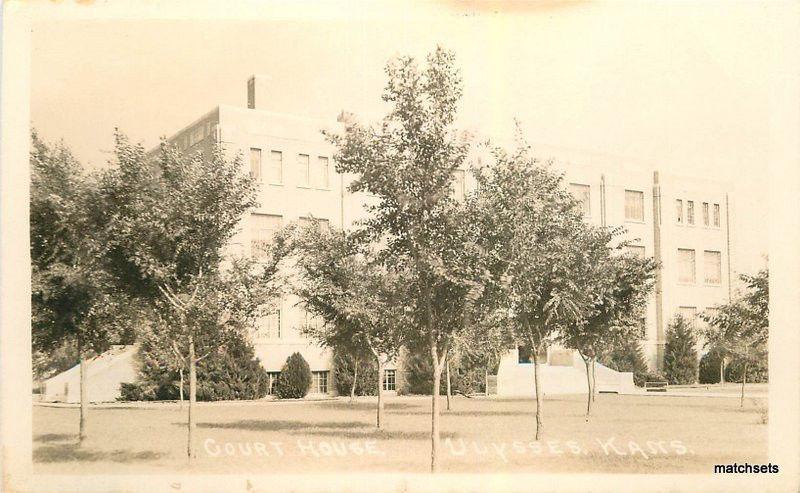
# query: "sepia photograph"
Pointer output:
{"type": "Point", "coordinates": [424, 246]}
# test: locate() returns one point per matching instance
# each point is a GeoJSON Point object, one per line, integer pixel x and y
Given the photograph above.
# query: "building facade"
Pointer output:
{"type": "Point", "coordinates": [681, 221]}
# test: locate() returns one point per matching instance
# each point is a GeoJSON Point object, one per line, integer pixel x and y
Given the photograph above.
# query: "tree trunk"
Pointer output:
{"type": "Point", "coordinates": [486, 381]}
{"type": "Point", "coordinates": [84, 397]}
{"type": "Point", "coordinates": [594, 378]}
{"type": "Point", "coordinates": [722, 371]}
{"type": "Point", "coordinates": [192, 398]}
{"type": "Point", "coordinates": [744, 381]}
{"type": "Point", "coordinates": [448, 383]}
{"type": "Point", "coordinates": [355, 379]}
{"type": "Point", "coordinates": [588, 386]}
{"type": "Point", "coordinates": [380, 391]}
{"type": "Point", "coordinates": [180, 372]}
{"type": "Point", "coordinates": [437, 383]}
{"type": "Point", "coordinates": [538, 388]}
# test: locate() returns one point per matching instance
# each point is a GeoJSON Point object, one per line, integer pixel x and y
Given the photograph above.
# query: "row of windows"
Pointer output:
{"type": "Point", "coordinates": [634, 202]}
{"type": "Point", "coordinates": [269, 326]}
{"type": "Point", "coordinates": [634, 207]}
{"type": "Point", "coordinates": [264, 226]}
{"type": "Point", "coordinates": [310, 175]}
{"type": "Point", "coordinates": [320, 381]}
{"type": "Point", "coordinates": [712, 266]}
{"type": "Point", "coordinates": [711, 216]}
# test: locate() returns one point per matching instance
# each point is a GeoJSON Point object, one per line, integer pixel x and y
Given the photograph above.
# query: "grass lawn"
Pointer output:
{"type": "Point", "coordinates": [638, 434]}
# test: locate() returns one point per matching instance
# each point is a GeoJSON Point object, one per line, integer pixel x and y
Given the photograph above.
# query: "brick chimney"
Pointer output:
{"type": "Point", "coordinates": [257, 91]}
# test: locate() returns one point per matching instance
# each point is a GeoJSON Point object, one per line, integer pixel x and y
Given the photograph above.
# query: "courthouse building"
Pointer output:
{"type": "Point", "coordinates": [681, 221]}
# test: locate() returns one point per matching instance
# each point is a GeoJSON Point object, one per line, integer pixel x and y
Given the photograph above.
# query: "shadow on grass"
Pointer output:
{"type": "Point", "coordinates": [266, 425]}
{"type": "Point", "coordinates": [376, 434]}
{"type": "Point", "coordinates": [474, 413]}
{"type": "Point", "coordinates": [72, 452]}
{"type": "Point", "coordinates": [364, 406]}
{"type": "Point", "coordinates": [54, 437]}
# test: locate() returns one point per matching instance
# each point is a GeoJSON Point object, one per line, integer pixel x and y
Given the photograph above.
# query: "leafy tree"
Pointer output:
{"type": "Point", "coordinates": [171, 218]}
{"type": "Point", "coordinates": [231, 373]}
{"type": "Point", "coordinates": [408, 162]}
{"type": "Point", "coordinates": [73, 297]}
{"type": "Point", "coordinates": [618, 285]}
{"type": "Point", "coordinates": [529, 228]}
{"type": "Point", "coordinates": [680, 353]}
{"type": "Point", "coordinates": [629, 356]}
{"type": "Point", "coordinates": [295, 379]}
{"type": "Point", "coordinates": [354, 375]}
{"type": "Point", "coordinates": [340, 281]}
{"type": "Point", "coordinates": [740, 327]}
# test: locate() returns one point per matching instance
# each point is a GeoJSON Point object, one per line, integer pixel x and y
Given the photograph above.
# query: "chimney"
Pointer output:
{"type": "Point", "coordinates": [257, 91]}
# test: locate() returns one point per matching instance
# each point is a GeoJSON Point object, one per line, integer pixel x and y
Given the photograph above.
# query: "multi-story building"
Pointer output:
{"type": "Point", "coordinates": [681, 221]}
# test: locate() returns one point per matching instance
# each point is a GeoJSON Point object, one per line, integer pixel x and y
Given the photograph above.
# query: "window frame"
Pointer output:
{"type": "Point", "coordinates": [694, 266]}
{"type": "Point", "coordinates": [389, 377]}
{"type": "Point", "coordinates": [257, 175]}
{"type": "Point", "coordinates": [640, 195]}
{"type": "Point", "coordinates": [305, 168]}
{"type": "Point", "coordinates": [586, 208]}
{"type": "Point", "coordinates": [718, 267]}
{"type": "Point", "coordinates": [272, 162]}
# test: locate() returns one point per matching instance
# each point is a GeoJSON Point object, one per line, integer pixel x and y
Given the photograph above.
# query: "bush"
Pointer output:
{"type": "Point", "coordinates": [757, 371]}
{"type": "Point", "coordinates": [629, 357]}
{"type": "Point", "coordinates": [295, 379]}
{"type": "Point", "coordinates": [230, 372]}
{"type": "Point", "coordinates": [680, 355]}
{"type": "Point", "coordinates": [709, 367]}
{"type": "Point", "coordinates": [417, 379]}
{"type": "Point", "coordinates": [367, 381]}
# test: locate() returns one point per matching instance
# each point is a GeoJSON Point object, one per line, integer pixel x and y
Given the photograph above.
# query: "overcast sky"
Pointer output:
{"type": "Point", "coordinates": [683, 87]}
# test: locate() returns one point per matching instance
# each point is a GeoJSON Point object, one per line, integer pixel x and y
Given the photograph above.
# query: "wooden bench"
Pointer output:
{"type": "Point", "coordinates": [655, 386]}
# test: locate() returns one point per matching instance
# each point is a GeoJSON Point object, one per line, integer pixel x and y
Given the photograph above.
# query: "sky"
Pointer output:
{"type": "Point", "coordinates": [679, 87]}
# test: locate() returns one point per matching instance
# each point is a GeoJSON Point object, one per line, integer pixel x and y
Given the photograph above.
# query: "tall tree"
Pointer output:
{"type": "Point", "coordinates": [408, 162]}
{"type": "Point", "coordinates": [172, 218]}
{"type": "Point", "coordinates": [73, 298]}
{"type": "Point", "coordinates": [357, 303]}
{"type": "Point", "coordinates": [741, 326]}
{"type": "Point", "coordinates": [530, 229]}
{"type": "Point", "coordinates": [618, 285]}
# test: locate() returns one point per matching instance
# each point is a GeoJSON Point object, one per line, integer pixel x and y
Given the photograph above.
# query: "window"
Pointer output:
{"type": "Point", "coordinates": [320, 178]}
{"type": "Point", "coordinates": [690, 212]}
{"type": "Point", "coordinates": [459, 190]}
{"type": "Point", "coordinates": [713, 267]}
{"type": "Point", "coordinates": [276, 167]}
{"type": "Point", "coordinates": [679, 210]}
{"type": "Point", "coordinates": [716, 215]}
{"type": "Point", "coordinates": [310, 321]}
{"type": "Point", "coordinates": [272, 380]}
{"type": "Point", "coordinates": [389, 379]}
{"type": "Point", "coordinates": [269, 327]}
{"type": "Point", "coordinates": [634, 205]}
{"type": "Point", "coordinates": [689, 313]}
{"type": "Point", "coordinates": [705, 213]}
{"type": "Point", "coordinates": [323, 224]}
{"type": "Point", "coordinates": [262, 229]}
{"type": "Point", "coordinates": [303, 173]}
{"type": "Point", "coordinates": [582, 194]}
{"type": "Point", "coordinates": [320, 382]}
{"type": "Point", "coordinates": [255, 163]}
{"type": "Point", "coordinates": [686, 265]}
{"type": "Point", "coordinates": [637, 250]}
{"type": "Point", "coordinates": [524, 355]}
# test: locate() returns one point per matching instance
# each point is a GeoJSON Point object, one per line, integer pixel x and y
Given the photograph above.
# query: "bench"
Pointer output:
{"type": "Point", "coordinates": [655, 386]}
